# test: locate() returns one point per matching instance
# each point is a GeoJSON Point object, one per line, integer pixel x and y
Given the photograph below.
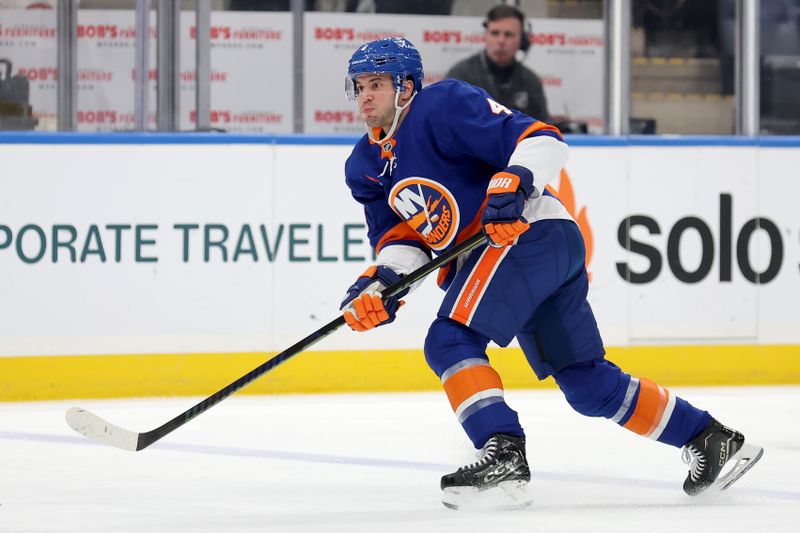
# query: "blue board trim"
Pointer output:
{"type": "Point", "coordinates": [310, 139]}
{"type": "Point", "coordinates": [170, 138]}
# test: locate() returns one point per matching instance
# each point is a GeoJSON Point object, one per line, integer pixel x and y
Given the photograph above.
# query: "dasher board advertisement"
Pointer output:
{"type": "Point", "coordinates": [147, 248]}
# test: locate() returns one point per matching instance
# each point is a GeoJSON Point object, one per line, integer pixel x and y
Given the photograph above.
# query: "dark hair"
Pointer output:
{"type": "Point", "coordinates": [504, 11]}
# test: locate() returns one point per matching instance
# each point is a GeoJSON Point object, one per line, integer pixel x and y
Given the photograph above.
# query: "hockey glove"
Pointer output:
{"type": "Point", "coordinates": [502, 219]}
{"type": "Point", "coordinates": [363, 307]}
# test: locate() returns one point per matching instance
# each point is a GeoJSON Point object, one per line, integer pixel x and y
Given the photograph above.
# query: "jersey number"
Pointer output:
{"type": "Point", "coordinates": [498, 108]}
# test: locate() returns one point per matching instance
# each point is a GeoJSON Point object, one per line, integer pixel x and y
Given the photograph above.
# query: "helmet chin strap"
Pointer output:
{"type": "Point", "coordinates": [398, 109]}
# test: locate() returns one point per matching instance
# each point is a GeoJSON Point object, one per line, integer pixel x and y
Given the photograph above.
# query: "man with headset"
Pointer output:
{"type": "Point", "coordinates": [497, 68]}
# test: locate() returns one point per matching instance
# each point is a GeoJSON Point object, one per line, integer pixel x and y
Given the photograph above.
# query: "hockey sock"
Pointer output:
{"type": "Point", "coordinates": [457, 354]}
{"type": "Point", "coordinates": [475, 392]}
{"type": "Point", "coordinates": [600, 388]}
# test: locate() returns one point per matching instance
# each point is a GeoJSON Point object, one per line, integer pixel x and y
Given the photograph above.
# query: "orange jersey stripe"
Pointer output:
{"type": "Point", "coordinates": [538, 126]}
{"type": "Point", "coordinates": [649, 408]}
{"type": "Point", "coordinates": [401, 232]}
{"type": "Point", "coordinates": [476, 284]}
{"type": "Point", "coordinates": [469, 381]}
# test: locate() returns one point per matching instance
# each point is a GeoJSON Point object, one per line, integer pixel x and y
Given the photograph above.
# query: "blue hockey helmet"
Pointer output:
{"type": "Point", "coordinates": [393, 55]}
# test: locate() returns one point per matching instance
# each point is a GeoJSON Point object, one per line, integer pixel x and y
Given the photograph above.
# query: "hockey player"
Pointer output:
{"type": "Point", "coordinates": [438, 165]}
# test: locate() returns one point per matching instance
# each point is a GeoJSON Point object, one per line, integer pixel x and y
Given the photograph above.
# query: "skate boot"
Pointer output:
{"type": "Point", "coordinates": [498, 480]}
{"type": "Point", "coordinates": [717, 447]}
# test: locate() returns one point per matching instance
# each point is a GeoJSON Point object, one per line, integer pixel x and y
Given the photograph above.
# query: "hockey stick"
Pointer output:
{"type": "Point", "coordinates": [95, 428]}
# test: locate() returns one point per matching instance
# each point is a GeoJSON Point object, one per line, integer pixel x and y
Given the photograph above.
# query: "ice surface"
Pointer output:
{"type": "Point", "coordinates": [371, 463]}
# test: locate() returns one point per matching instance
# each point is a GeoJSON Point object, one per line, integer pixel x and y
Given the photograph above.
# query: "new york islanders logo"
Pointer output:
{"type": "Point", "coordinates": [429, 208]}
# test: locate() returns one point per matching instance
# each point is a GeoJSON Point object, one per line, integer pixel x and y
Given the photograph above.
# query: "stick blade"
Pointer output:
{"type": "Point", "coordinates": [95, 428]}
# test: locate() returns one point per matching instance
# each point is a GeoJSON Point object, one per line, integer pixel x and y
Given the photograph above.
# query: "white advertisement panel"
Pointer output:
{"type": "Point", "coordinates": [596, 180]}
{"type": "Point", "coordinates": [252, 69]}
{"type": "Point", "coordinates": [229, 248]}
{"type": "Point", "coordinates": [331, 38]}
{"type": "Point", "coordinates": [688, 209]}
{"type": "Point", "coordinates": [28, 41]}
{"type": "Point", "coordinates": [566, 54]}
{"type": "Point", "coordinates": [107, 73]}
{"type": "Point", "coordinates": [249, 54]}
{"type": "Point", "coordinates": [774, 244]}
{"type": "Point", "coordinates": [96, 264]}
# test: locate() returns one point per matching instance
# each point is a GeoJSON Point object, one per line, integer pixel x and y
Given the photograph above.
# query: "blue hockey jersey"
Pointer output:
{"type": "Point", "coordinates": [426, 186]}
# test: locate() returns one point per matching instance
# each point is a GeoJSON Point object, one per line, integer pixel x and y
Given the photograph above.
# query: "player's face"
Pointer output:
{"type": "Point", "coordinates": [502, 39]}
{"type": "Point", "coordinates": [375, 99]}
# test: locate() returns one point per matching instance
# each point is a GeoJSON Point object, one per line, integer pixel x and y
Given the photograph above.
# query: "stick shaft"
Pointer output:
{"type": "Point", "coordinates": [146, 439]}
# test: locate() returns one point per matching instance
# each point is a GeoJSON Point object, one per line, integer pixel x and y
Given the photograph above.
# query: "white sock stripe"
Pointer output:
{"type": "Point", "coordinates": [662, 424]}
{"type": "Point", "coordinates": [477, 406]}
{"type": "Point", "coordinates": [488, 393]}
{"type": "Point", "coordinates": [633, 384]}
{"type": "Point", "coordinates": [461, 365]}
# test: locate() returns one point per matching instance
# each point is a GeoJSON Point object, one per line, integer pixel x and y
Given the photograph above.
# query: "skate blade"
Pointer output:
{"type": "Point", "coordinates": [506, 496]}
{"type": "Point", "coordinates": [741, 462]}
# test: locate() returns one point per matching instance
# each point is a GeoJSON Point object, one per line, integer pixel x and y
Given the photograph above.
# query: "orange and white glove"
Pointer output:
{"type": "Point", "coordinates": [364, 308]}
{"type": "Point", "coordinates": [502, 218]}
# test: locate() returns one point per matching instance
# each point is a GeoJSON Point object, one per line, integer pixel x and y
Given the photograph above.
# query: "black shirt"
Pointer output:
{"type": "Point", "coordinates": [514, 86]}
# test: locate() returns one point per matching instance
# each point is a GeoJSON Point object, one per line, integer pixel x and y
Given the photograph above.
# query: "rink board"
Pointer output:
{"type": "Point", "coordinates": [163, 375]}
{"type": "Point", "coordinates": [194, 256]}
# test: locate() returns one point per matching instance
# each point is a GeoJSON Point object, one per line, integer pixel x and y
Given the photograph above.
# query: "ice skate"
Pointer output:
{"type": "Point", "coordinates": [716, 449]}
{"type": "Point", "coordinates": [498, 480]}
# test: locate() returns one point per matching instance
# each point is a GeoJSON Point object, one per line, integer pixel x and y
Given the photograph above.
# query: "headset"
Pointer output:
{"type": "Point", "coordinates": [507, 11]}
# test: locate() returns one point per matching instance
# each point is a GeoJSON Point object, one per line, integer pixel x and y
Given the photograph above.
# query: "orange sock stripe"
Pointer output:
{"type": "Point", "coordinates": [476, 284]}
{"type": "Point", "coordinates": [662, 405]}
{"type": "Point", "coordinates": [470, 381]}
{"type": "Point", "coordinates": [649, 407]}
